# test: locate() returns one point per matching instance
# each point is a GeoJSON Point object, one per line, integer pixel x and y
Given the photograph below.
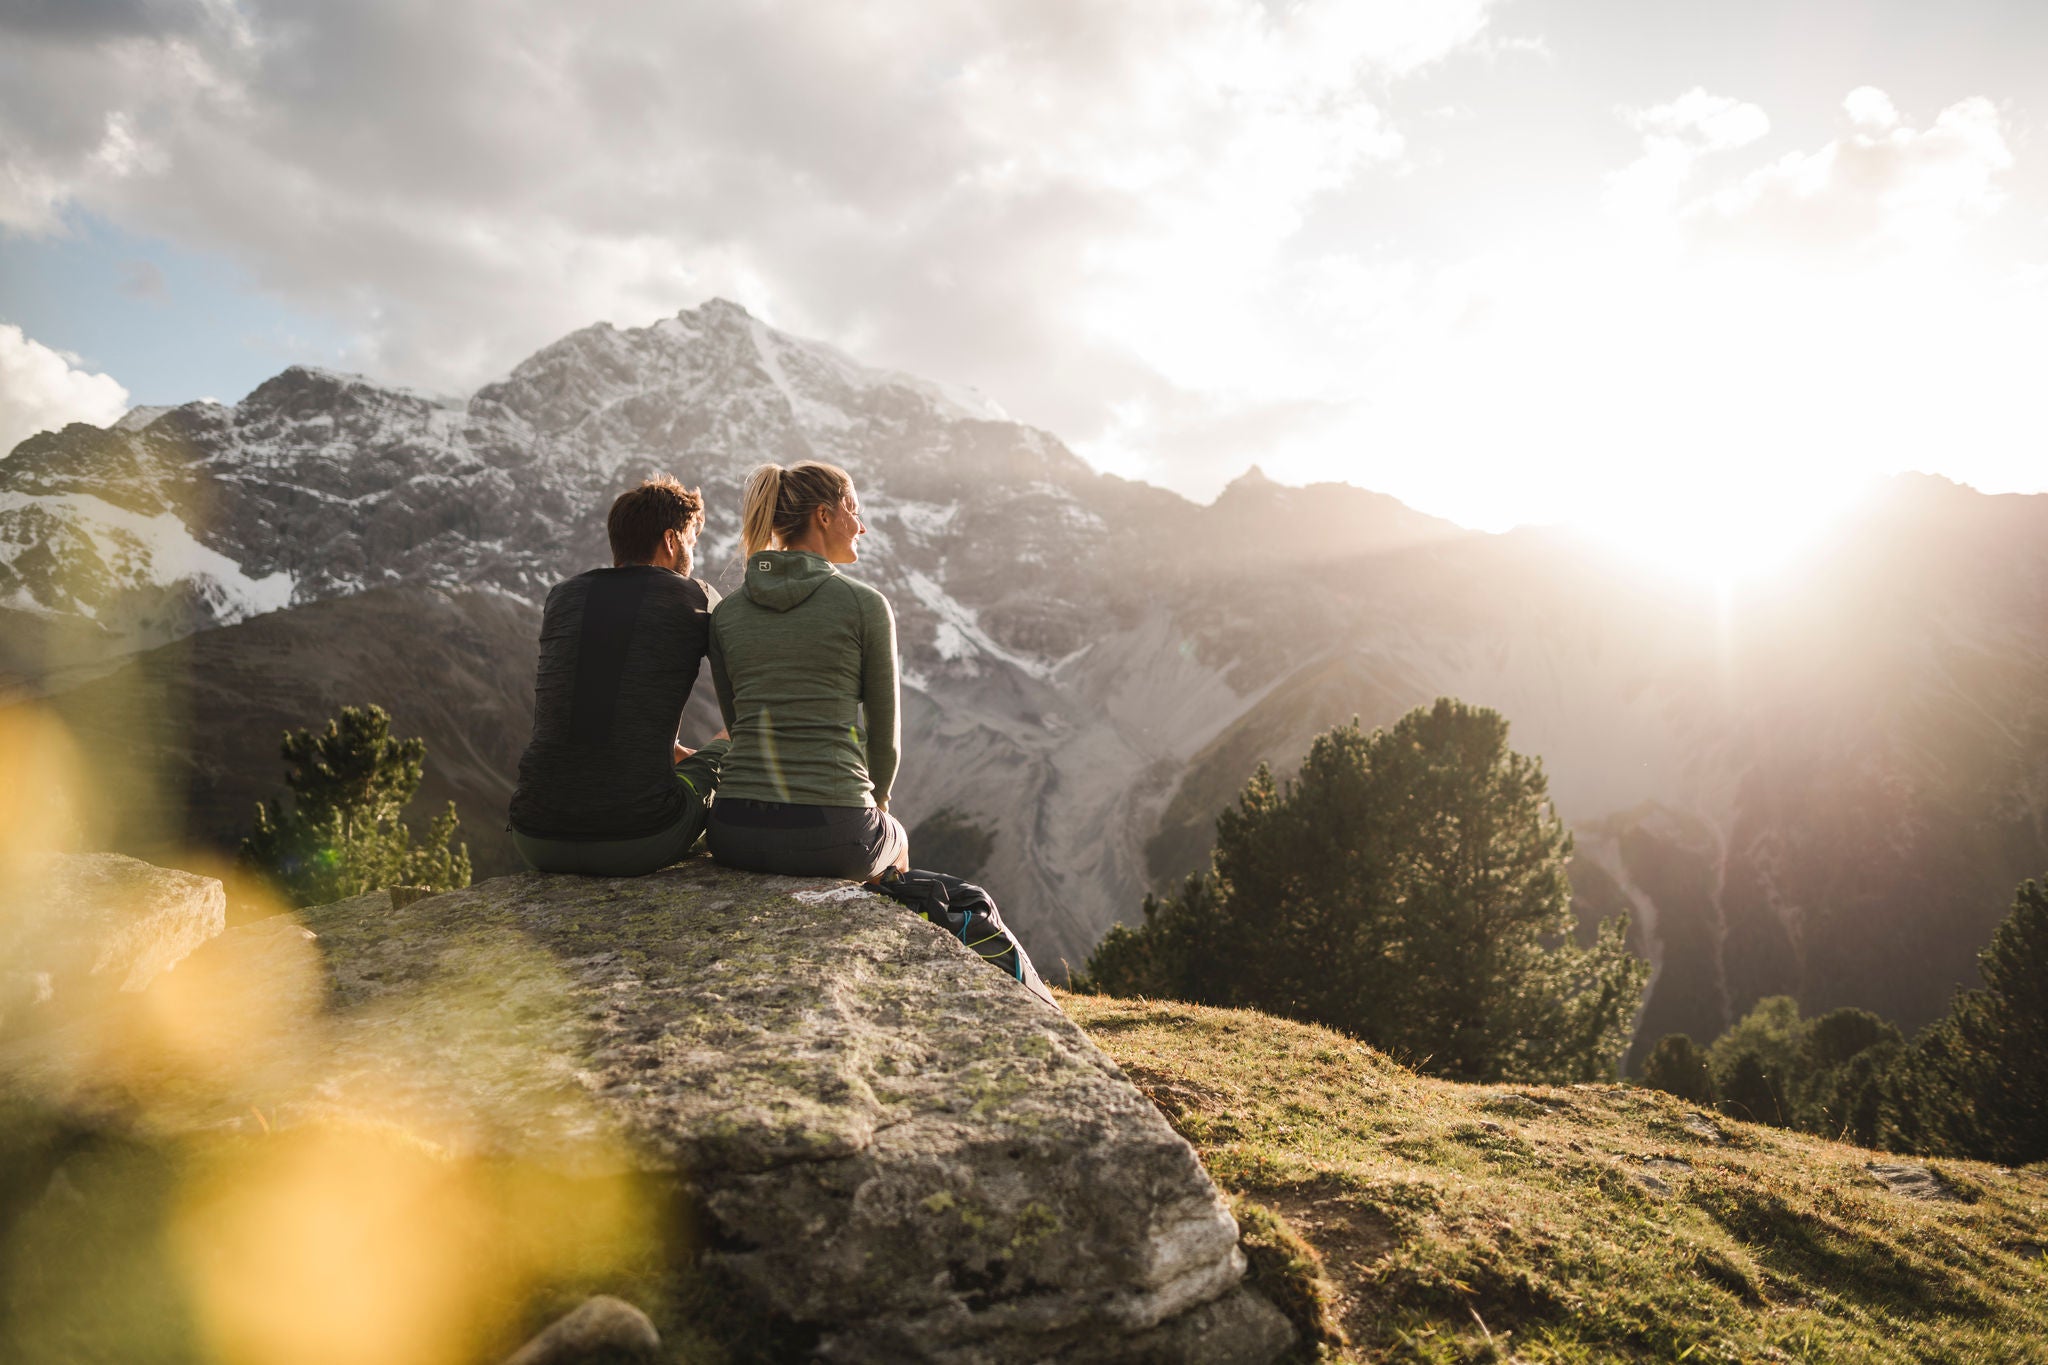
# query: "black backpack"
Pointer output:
{"type": "Point", "coordinates": [969, 913]}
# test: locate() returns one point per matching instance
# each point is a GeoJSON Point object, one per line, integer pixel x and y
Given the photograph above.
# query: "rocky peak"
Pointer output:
{"type": "Point", "coordinates": [306, 391]}
{"type": "Point", "coordinates": [716, 375]}
{"type": "Point", "coordinates": [1257, 518]}
{"type": "Point", "coordinates": [721, 310]}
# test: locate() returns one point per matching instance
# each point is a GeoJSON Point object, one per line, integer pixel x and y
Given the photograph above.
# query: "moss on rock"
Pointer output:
{"type": "Point", "coordinates": [887, 1148]}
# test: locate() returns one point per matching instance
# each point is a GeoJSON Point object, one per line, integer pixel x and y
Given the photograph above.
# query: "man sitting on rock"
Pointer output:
{"type": "Point", "coordinates": [605, 788]}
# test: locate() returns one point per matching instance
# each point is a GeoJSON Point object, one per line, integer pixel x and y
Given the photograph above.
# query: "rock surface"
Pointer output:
{"type": "Point", "coordinates": [99, 922]}
{"type": "Point", "coordinates": [603, 1331]}
{"type": "Point", "coordinates": [1914, 1181]}
{"type": "Point", "coordinates": [890, 1145]}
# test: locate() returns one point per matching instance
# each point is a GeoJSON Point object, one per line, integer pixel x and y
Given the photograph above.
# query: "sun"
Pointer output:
{"type": "Point", "coordinates": [1716, 533]}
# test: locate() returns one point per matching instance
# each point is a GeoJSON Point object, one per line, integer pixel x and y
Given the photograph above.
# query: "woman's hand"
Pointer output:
{"type": "Point", "coordinates": [681, 754]}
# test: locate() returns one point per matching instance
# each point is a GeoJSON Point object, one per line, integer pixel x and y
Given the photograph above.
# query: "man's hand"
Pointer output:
{"type": "Point", "coordinates": [681, 754]}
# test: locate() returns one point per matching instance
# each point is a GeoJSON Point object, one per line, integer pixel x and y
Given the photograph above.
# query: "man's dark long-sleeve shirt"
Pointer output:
{"type": "Point", "coordinates": [619, 653]}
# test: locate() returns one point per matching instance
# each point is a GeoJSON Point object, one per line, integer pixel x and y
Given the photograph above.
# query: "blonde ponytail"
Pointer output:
{"type": "Point", "coordinates": [757, 507]}
{"type": "Point", "coordinates": [778, 502]}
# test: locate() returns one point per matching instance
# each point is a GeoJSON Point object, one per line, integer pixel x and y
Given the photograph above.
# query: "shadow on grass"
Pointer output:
{"type": "Point", "coordinates": [1825, 1256]}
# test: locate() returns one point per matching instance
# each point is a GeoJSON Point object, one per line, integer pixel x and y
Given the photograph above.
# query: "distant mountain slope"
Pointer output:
{"type": "Point", "coordinates": [1027, 587]}
{"type": "Point", "coordinates": [184, 737]}
{"type": "Point", "coordinates": [1829, 787]}
{"type": "Point", "coordinates": [1827, 790]}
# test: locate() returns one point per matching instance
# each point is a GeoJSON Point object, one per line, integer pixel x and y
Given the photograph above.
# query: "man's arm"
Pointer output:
{"type": "Point", "coordinates": [711, 600]}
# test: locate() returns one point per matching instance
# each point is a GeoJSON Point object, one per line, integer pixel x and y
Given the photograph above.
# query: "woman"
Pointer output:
{"type": "Point", "coordinates": [796, 655]}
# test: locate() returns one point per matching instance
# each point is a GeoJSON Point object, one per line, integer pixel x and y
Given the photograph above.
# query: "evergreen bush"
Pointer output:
{"type": "Point", "coordinates": [343, 833]}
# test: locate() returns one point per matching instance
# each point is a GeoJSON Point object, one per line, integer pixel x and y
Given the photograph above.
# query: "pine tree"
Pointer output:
{"type": "Point", "coordinates": [1677, 1067]}
{"type": "Point", "coordinates": [1408, 887]}
{"type": "Point", "coordinates": [343, 833]}
{"type": "Point", "coordinates": [2003, 1028]}
{"type": "Point", "coordinates": [1757, 1064]}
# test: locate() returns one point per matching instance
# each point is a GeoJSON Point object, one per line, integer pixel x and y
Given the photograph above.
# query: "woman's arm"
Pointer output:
{"type": "Point", "coordinates": [719, 682]}
{"type": "Point", "coordinates": [878, 692]}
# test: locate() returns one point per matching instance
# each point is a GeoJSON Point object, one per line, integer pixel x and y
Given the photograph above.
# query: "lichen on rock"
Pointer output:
{"type": "Point", "coordinates": [885, 1144]}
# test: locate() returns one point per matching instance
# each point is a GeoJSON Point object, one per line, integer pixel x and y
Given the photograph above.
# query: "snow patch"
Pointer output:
{"type": "Point", "coordinates": [960, 635]}
{"type": "Point", "coordinates": [24, 600]}
{"type": "Point", "coordinates": [952, 643]}
{"type": "Point", "coordinates": [924, 519]}
{"type": "Point", "coordinates": [808, 411]}
{"type": "Point", "coordinates": [135, 419]}
{"type": "Point", "coordinates": [157, 551]}
{"type": "Point", "coordinates": [947, 400]}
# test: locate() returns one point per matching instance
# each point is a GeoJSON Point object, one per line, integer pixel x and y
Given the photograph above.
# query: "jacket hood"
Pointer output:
{"type": "Point", "coordinates": [781, 580]}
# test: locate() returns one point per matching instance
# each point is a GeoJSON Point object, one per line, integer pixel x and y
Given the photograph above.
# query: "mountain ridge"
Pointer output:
{"type": "Point", "coordinates": [1093, 663]}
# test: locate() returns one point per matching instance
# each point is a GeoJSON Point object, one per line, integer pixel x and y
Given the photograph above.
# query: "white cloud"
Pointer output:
{"type": "Point", "coordinates": [1869, 107]}
{"type": "Point", "coordinates": [1884, 184]}
{"type": "Point", "coordinates": [1709, 122]}
{"type": "Point", "coordinates": [42, 389]}
{"type": "Point", "coordinates": [1728, 356]}
{"type": "Point", "coordinates": [1675, 137]}
{"type": "Point", "coordinates": [1045, 199]}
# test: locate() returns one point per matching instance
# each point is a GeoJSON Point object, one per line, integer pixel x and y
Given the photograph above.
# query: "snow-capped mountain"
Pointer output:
{"type": "Point", "coordinates": [1094, 666]}
{"type": "Point", "coordinates": [1049, 698]}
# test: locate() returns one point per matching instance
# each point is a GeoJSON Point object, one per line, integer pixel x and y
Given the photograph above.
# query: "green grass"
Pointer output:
{"type": "Point", "coordinates": [1433, 1221]}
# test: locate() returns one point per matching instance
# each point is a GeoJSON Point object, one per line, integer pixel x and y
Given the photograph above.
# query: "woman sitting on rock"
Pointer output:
{"type": "Point", "coordinates": [797, 654]}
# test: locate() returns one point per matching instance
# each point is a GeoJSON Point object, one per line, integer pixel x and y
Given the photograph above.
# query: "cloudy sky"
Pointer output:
{"type": "Point", "coordinates": [1689, 273]}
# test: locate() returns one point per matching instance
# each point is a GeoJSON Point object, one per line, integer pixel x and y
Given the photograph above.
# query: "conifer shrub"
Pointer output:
{"type": "Point", "coordinates": [1677, 1067]}
{"type": "Point", "coordinates": [343, 832]}
{"type": "Point", "coordinates": [1972, 1084]}
{"type": "Point", "coordinates": [2001, 1030]}
{"type": "Point", "coordinates": [1408, 887]}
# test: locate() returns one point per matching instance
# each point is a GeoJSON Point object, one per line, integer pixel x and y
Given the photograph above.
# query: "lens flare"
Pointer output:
{"type": "Point", "coordinates": [310, 1179]}
{"type": "Point", "coordinates": [44, 801]}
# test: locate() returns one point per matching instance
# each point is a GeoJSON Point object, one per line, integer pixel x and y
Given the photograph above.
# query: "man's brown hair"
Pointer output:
{"type": "Point", "coordinates": [643, 515]}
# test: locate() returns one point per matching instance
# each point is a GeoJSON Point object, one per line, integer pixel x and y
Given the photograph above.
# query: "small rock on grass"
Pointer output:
{"type": "Point", "coordinates": [1703, 1128]}
{"type": "Point", "coordinates": [1914, 1182]}
{"type": "Point", "coordinates": [603, 1331]}
{"type": "Point", "coordinates": [1656, 1168]}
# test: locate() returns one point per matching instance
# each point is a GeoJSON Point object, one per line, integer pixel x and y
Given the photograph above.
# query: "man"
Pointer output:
{"type": "Point", "coordinates": [605, 789]}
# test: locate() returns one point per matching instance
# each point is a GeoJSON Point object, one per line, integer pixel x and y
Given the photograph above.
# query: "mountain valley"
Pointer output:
{"type": "Point", "coordinates": [1824, 785]}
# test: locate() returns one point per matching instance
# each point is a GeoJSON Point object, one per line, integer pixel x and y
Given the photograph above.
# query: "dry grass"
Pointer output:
{"type": "Point", "coordinates": [1448, 1222]}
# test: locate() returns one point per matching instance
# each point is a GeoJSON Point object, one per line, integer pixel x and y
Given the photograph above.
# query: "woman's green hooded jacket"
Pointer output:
{"type": "Point", "coordinates": [797, 655]}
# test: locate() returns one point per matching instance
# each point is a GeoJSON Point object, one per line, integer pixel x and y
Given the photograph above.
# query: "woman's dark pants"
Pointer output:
{"type": "Point", "coordinates": [854, 842]}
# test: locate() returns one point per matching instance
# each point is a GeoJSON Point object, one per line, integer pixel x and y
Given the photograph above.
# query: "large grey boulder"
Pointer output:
{"type": "Point", "coordinates": [89, 924]}
{"type": "Point", "coordinates": [888, 1145]}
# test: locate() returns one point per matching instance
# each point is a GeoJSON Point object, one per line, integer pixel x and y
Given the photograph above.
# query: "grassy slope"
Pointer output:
{"type": "Point", "coordinates": [1455, 1222]}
